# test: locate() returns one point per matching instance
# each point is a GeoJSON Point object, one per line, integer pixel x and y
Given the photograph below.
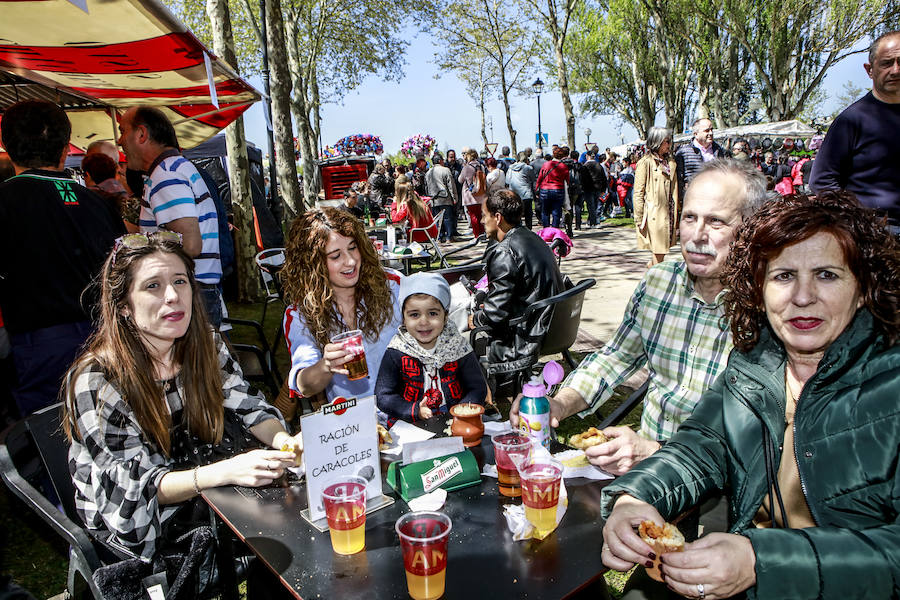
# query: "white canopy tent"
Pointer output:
{"type": "Point", "coordinates": [782, 129]}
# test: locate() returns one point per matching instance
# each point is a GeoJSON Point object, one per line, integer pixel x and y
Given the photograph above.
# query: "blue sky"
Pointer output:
{"type": "Point", "coordinates": [440, 107]}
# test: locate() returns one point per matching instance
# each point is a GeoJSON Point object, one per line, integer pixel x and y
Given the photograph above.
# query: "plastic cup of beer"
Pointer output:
{"type": "Point", "coordinates": [345, 508]}
{"type": "Point", "coordinates": [541, 479]}
{"type": "Point", "coordinates": [352, 342]}
{"type": "Point", "coordinates": [510, 451]}
{"type": "Point", "coordinates": [423, 541]}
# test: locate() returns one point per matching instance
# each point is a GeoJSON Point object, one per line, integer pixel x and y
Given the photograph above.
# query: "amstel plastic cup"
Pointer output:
{"type": "Point", "coordinates": [423, 541]}
{"type": "Point", "coordinates": [352, 342]}
{"type": "Point", "coordinates": [541, 479]}
{"type": "Point", "coordinates": [345, 508]}
{"type": "Point", "coordinates": [510, 451]}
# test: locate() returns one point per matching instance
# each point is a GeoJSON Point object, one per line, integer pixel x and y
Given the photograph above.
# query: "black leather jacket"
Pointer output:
{"type": "Point", "coordinates": [521, 270]}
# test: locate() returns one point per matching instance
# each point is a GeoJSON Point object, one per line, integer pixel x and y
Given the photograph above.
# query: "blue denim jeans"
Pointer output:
{"type": "Point", "coordinates": [551, 207]}
{"type": "Point", "coordinates": [448, 223]}
{"type": "Point", "coordinates": [212, 300]}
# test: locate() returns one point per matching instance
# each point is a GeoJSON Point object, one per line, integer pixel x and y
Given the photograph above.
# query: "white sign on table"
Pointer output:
{"type": "Point", "coordinates": [341, 439]}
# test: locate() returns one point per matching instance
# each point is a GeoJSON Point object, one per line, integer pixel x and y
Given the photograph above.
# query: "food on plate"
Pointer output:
{"type": "Point", "coordinates": [586, 439]}
{"type": "Point", "coordinates": [384, 437]}
{"type": "Point", "coordinates": [662, 539]}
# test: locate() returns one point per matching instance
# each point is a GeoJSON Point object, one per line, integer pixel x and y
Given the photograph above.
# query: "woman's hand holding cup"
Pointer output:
{"type": "Point", "coordinates": [334, 357]}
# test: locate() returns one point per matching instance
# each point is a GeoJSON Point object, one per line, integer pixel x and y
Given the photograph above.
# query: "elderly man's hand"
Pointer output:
{"type": "Point", "coordinates": [471, 322]}
{"type": "Point", "coordinates": [724, 563]}
{"type": "Point", "coordinates": [555, 412]}
{"type": "Point", "coordinates": [624, 449]}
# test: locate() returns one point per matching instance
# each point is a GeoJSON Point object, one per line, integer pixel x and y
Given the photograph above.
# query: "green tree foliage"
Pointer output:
{"type": "Point", "coordinates": [489, 48]}
{"type": "Point", "coordinates": [712, 58]}
{"type": "Point", "coordinates": [792, 43]}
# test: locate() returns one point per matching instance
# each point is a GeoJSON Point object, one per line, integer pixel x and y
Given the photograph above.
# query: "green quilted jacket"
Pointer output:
{"type": "Point", "coordinates": [847, 444]}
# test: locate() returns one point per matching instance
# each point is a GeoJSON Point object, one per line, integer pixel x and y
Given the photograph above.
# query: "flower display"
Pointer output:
{"type": "Point", "coordinates": [418, 144]}
{"type": "Point", "coordinates": [359, 143]}
{"type": "Point", "coordinates": [329, 152]}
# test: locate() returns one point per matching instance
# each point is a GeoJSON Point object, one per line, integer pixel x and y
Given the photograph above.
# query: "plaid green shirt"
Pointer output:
{"type": "Point", "coordinates": [683, 340]}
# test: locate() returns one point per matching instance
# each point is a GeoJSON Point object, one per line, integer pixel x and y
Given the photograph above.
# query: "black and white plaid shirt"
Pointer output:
{"type": "Point", "coordinates": [117, 469]}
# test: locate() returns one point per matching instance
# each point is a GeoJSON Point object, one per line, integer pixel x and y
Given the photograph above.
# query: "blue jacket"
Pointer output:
{"type": "Point", "coordinates": [520, 179]}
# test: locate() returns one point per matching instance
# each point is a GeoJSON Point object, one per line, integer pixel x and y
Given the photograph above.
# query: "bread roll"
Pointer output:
{"type": "Point", "coordinates": [661, 539]}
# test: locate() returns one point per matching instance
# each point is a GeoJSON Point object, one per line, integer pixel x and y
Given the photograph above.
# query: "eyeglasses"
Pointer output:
{"type": "Point", "coordinates": [142, 240]}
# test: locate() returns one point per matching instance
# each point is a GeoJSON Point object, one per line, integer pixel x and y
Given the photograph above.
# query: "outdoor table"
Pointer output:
{"type": "Point", "coordinates": [483, 559]}
{"type": "Point", "coordinates": [405, 258]}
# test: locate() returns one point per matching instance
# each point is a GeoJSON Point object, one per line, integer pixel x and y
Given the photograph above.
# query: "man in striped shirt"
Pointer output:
{"type": "Point", "coordinates": [175, 197]}
{"type": "Point", "coordinates": [674, 323]}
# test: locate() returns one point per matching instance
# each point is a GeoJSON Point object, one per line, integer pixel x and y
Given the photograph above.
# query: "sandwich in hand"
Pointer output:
{"type": "Point", "coordinates": [591, 437]}
{"type": "Point", "coordinates": [662, 539]}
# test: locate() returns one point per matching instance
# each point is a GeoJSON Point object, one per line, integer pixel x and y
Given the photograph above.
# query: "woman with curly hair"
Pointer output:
{"type": "Point", "coordinates": [333, 282]}
{"type": "Point", "coordinates": [408, 206]}
{"type": "Point", "coordinates": [802, 428]}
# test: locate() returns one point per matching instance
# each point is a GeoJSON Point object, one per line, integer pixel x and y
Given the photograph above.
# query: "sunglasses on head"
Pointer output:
{"type": "Point", "coordinates": [142, 240]}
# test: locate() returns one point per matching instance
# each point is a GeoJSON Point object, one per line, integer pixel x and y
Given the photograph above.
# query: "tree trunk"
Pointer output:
{"type": "Point", "coordinates": [238, 164]}
{"type": "Point", "coordinates": [509, 125]}
{"type": "Point", "coordinates": [280, 90]}
{"type": "Point", "coordinates": [563, 78]}
{"type": "Point", "coordinates": [300, 109]}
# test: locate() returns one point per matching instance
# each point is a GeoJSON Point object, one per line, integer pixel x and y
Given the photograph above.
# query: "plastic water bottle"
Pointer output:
{"type": "Point", "coordinates": [391, 237]}
{"type": "Point", "coordinates": [534, 408]}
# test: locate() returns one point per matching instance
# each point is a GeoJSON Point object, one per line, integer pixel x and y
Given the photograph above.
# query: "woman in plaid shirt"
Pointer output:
{"type": "Point", "coordinates": [156, 408]}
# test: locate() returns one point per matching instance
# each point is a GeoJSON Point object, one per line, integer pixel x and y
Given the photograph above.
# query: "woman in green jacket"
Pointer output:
{"type": "Point", "coordinates": [801, 430]}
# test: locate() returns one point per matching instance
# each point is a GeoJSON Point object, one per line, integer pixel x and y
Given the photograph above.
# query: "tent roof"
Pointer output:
{"type": "Point", "coordinates": [792, 128]}
{"type": "Point", "coordinates": [115, 54]}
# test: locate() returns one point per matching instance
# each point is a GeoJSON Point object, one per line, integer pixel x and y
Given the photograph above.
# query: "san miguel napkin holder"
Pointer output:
{"type": "Point", "coordinates": [450, 472]}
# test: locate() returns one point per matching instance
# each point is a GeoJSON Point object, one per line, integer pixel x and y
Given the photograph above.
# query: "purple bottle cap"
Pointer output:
{"type": "Point", "coordinates": [534, 388]}
{"type": "Point", "coordinates": [553, 373]}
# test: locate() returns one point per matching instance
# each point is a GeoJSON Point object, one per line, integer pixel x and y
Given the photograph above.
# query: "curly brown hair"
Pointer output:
{"type": "Point", "coordinates": [871, 252]}
{"type": "Point", "coordinates": [305, 279]}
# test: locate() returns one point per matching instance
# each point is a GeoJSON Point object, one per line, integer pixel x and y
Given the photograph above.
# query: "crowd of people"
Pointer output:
{"type": "Point", "coordinates": [771, 345]}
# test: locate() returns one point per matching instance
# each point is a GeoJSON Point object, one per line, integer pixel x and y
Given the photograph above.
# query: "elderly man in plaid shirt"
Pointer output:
{"type": "Point", "coordinates": [674, 323]}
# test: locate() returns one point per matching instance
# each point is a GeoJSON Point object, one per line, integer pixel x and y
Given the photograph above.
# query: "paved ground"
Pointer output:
{"type": "Point", "coordinates": [610, 256]}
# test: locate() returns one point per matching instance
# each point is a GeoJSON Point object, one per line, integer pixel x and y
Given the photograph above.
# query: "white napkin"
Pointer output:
{"type": "Point", "coordinates": [432, 501]}
{"type": "Point", "coordinates": [403, 433]}
{"type": "Point", "coordinates": [495, 427]}
{"type": "Point", "coordinates": [575, 464]}
{"type": "Point", "coordinates": [522, 529]}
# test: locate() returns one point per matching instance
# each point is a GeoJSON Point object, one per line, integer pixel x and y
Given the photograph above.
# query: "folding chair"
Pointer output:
{"type": "Point", "coordinates": [560, 336]}
{"type": "Point", "coordinates": [435, 251]}
{"type": "Point", "coordinates": [269, 262]}
{"type": "Point", "coordinates": [257, 360]}
{"type": "Point", "coordinates": [33, 449]}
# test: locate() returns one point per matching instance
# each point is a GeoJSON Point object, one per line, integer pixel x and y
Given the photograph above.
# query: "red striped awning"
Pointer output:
{"type": "Point", "coordinates": [116, 54]}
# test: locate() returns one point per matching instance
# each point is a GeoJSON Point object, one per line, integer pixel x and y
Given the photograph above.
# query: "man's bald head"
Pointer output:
{"type": "Point", "coordinates": [104, 147]}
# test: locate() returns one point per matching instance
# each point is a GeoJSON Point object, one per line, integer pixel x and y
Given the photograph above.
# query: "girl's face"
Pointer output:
{"type": "Point", "coordinates": [424, 318]}
{"type": "Point", "coordinates": [343, 258]}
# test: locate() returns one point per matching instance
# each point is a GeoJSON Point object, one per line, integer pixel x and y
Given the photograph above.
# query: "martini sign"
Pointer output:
{"type": "Point", "coordinates": [340, 440]}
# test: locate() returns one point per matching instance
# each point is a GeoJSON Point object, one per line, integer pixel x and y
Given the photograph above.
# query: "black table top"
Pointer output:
{"type": "Point", "coordinates": [483, 559]}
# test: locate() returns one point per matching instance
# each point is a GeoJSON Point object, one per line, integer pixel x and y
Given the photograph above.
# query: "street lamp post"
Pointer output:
{"type": "Point", "coordinates": [538, 87]}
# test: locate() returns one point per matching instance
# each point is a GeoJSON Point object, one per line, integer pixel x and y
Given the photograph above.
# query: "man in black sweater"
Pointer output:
{"type": "Point", "coordinates": [54, 236]}
{"type": "Point", "coordinates": [860, 152]}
